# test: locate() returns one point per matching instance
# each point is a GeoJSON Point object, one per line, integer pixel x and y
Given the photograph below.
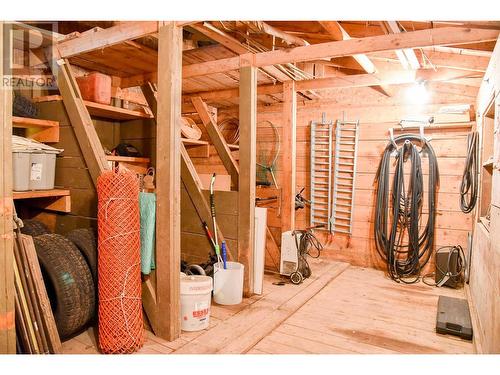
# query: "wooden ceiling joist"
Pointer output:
{"type": "Point", "coordinates": [338, 33]}
{"type": "Point", "coordinates": [99, 39]}
{"type": "Point", "coordinates": [415, 39]}
{"type": "Point", "coordinates": [235, 46]}
{"type": "Point", "coordinates": [406, 56]}
{"type": "Point", "coordinates": [396, 77]}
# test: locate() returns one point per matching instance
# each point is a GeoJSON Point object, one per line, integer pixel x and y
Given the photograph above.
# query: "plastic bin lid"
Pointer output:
{"type": "Point", "coordinates": [196, 284]}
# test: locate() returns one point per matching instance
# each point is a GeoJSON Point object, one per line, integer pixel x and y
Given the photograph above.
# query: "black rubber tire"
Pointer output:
{"type": "Point", "coordinates": [34, 228]}
{"type": "Point", "coordinates": [85, 240]}
{"type": "Point", "coordinates": [68, 281]}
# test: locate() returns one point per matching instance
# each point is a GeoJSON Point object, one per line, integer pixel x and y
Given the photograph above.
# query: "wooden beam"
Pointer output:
{"type": "Point", "coordinates": [82, 124]}
{"type": "Point", "coordinates": [274, 31]}
{"type": "Point", "coordinates": [394, 77]}
{"type": "Point", "coordinates": [103, 38]}
{"type": "Point", "coordinates": [413, 39]}
{"type": "Point", "coordinates": [168, 184]}
{"type": "Point", "coordinates": [218, 140]}
{"type": "Point", "coordinates": [409, 54]}
{"type": "Point", "coordinates": [193, 185]}
{"type": "Point", "coordinates": [7, 291]}
{"type": "Point", "coordinates": [288, 156]}
{"type": "Point", "coordinates": [337, 31]}
{"type": "Point", "coordinates": [246, 196]}
{"type": "Point", "coordinates": [236, 46]}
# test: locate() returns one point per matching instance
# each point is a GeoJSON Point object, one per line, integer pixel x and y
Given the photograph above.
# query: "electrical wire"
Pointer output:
{"type": "Point", "coordinates": [308, 241]}
{"type": "Point", "coordinates": [399, 240]}
{"type": "Point", "coordinates": [469, 185]}
{"type": "Point", "coordinates": [461, 265]}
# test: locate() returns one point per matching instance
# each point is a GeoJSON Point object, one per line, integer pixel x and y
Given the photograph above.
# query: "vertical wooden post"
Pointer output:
{"type": "Point", "coordinates": [288, 156]}
{"type": "Point", "coordinates": [7, 321]}
{"type": "Point", "coordinates": [168, 178]}
{"type": "Point", "coordinates": [246, 196]}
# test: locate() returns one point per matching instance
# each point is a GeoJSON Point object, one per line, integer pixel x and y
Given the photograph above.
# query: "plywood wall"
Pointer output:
{"type": "Point", "coordinates": [376, 114]}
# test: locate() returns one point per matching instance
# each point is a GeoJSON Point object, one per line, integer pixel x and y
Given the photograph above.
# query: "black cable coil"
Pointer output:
{"type": "Point", "coordinates": [400, 239]}
{"type": "Point", "coordinates": [469, 185]}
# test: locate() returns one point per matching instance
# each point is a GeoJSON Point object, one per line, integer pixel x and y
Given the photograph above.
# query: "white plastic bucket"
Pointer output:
{"type": "Point", "coordinates": [228, 283]}
{"type": "Point", "coordinates": [196, 293]}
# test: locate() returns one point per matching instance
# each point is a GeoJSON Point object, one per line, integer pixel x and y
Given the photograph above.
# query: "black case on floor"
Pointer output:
{"type": "Point", "coordinates": [453, 317]}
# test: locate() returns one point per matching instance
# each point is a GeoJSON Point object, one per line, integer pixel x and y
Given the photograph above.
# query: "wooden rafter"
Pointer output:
{"type": "Point", "coordinates": [338, 33]}
{"type": "Point", "coordinates": [414, 39]}
{"type": "Point", "coordinates": [395, 77]}
{"type": "Point", "coordinates": [406, 56]}
{"type": "Point", "coordinates": [235, 46]}
{"type": "Point", "coordinates": [102, 38]}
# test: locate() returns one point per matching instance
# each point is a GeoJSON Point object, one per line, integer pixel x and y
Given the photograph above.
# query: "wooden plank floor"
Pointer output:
{"type": "Point", "coordinates": [340, 309]}
{"type": "Point", "coordinates": [362, 311]}
{"type": "Point", "coordinates": [233, 329]}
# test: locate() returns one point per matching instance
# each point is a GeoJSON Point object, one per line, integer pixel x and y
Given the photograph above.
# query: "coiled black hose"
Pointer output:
{"type": "Point", "coordinates": [469, 185]}
{"type": "Point", "coordinates": [400, 241]}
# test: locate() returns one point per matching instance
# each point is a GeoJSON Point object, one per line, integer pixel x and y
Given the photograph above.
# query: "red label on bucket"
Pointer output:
{"type": "Point", "coordinates": [200, 313]}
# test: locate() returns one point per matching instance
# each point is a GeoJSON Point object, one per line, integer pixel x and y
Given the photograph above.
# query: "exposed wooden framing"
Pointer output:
{"type": "Point", "coordinates": [248, 133]}
{"type": "Point", "coordinates": [193, 185]}
{"type": "Point", "coordinates": [408, 52]}
{"type": "Point", "coordinates": [168, 170]}
{"type": "Point", "coordinates": [274, 31]}
{"type": "Point", "coordinates": [98, 39]}
{"type": "Point", "coordinates": [85, 132]}
{"type": "Point", "coordinates": [393, 77]}
{"type": "Point", "coordinates": [413, 39]}
{"type": "Point", "coordinates": [7, 292]}
{"type": "Point", "coordinates": [234, 45]}
{"type": "Point", "coordinates": [288, 156]}
{"type": "Point", "coordinates": [218, 140]}
{"type": "Point", "coordinates": [337, 31]}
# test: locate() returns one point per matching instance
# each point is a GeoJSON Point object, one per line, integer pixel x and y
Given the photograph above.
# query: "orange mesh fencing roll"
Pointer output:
{"type": "Point", "coordinates": [119, 263]}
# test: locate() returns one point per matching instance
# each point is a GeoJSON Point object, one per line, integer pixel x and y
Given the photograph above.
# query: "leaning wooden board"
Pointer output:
{"type": "Point", "coordinates": [41, 293]}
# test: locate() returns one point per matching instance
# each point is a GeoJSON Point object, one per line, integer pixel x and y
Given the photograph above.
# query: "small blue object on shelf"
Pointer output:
{"type": "Point", "coordinates": [224, 254]}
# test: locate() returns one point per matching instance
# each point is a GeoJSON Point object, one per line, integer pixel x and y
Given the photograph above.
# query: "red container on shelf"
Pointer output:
{"type": "Point", "coordinates": [95, 87]}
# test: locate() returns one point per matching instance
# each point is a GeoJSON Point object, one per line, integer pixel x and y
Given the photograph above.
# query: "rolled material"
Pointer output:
{"type": "Point", "coordinates": [119, 263]}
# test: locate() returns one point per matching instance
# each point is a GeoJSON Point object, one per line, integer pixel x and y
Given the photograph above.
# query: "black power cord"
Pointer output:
{"type": "Point", "coordinates": [308, 241]}
{"type": "Point", "coordinates": [469, 185]}
{"type": "Point", "coordinates": [400, 242]}
{"type": "Point", "coordinates": [461, 266]}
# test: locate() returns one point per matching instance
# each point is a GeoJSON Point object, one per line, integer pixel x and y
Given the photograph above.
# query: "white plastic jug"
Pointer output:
{"type": "Point", "coordinates": [196, 294]}
{"type": "Point", "coordinates": [228, 283]}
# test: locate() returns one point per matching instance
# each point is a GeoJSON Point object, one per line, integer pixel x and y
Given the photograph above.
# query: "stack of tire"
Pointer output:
{"type": "Point", "coordinates": [69, 268]}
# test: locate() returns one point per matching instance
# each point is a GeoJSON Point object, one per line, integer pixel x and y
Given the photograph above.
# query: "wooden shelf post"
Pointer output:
{"type": "Point", "coordinates": [288, 156]}
{"type": "Point", "coordinates": [7, 321]}
{"type": "Point", "coordinates": [168, 179]}
{"type": "Point", "coordinates": [246, 196]}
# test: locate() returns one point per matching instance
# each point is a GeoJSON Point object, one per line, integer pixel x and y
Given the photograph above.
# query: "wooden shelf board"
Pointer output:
{"type": "Point", "coordinates": [26, 122]}
{"type": "Point", "coordinates": [127, 159]}
{"type": "Point", "coordinates": [194, 142]}
{"type": "Point", "coordinates": [40, 193]}
{"type": "Point", "coordinates": [101, 110]}
{"type": "Point", "coordinates": [57, 200]}
{"type": "Point", "coordinates": [233, 147]}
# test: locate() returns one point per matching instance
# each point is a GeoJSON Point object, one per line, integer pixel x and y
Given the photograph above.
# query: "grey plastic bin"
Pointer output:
{"type": "Point", "coordinates": [33, 170]}
{"type": "Point", "coordinates": [42, 170]}
{"type": "Point", "coordinates": [21, 162]}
